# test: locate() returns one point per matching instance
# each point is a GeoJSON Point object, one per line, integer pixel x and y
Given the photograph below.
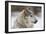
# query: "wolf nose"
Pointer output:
{"type": "Point", "coordinates": [35, 21]}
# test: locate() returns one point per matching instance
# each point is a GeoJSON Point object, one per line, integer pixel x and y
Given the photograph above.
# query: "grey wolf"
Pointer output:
{"type": "Point", "coordinates": [25, 19]}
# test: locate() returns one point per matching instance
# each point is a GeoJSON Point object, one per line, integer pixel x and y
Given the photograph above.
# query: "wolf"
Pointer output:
{"type": "Point", "coordinates": [25, 19]}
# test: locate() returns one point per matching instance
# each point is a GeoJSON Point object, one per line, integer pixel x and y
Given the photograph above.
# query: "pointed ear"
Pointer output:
{"type": "Point", "coordinates": [24, 11]}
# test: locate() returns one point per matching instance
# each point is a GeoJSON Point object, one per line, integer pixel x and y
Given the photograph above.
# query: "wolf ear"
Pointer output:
{"type": "Point", "coordinates": [24, 11]}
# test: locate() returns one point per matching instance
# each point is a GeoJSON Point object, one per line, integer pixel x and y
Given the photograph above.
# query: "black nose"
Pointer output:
{"type": "Point", "coordinates": [35, 21]}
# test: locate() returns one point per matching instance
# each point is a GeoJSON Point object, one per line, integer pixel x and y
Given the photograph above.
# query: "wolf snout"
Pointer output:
{"type": "Point", "coordinates": [35, 21]}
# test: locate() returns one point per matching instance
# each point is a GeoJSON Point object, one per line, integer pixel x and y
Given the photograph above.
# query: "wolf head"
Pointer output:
{"type": "Point", "coordinates": [28, 12]}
